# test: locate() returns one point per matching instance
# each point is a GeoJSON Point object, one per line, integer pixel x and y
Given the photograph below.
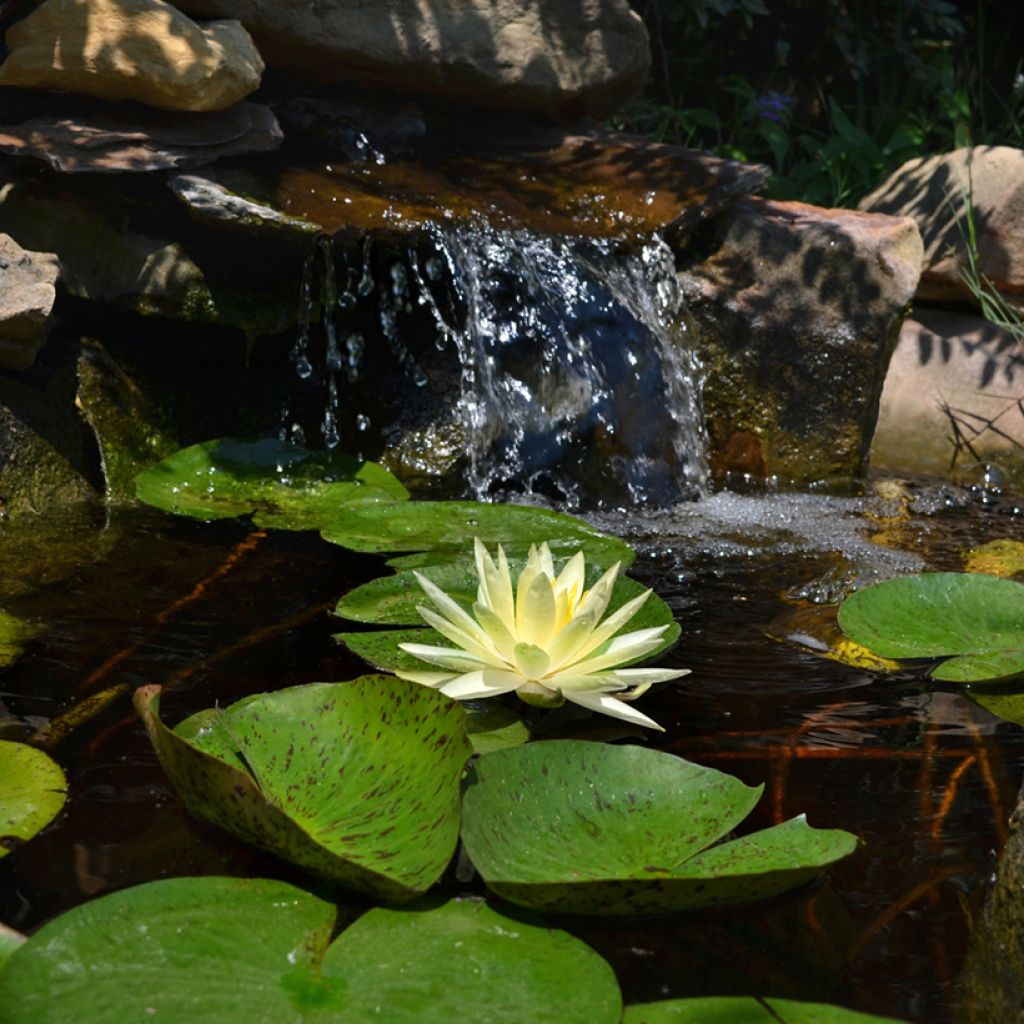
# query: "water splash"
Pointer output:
{"type": "Point", "coordinates": [578, 379]}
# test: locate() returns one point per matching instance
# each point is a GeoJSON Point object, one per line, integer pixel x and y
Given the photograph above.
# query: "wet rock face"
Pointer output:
{"type": "Point", "coordinates": [144, 50]}
{"type": "Point", "coordinates": [548, 57]}
{"type": "Point", "coordinates": [953, 398]}
{"type": "Point", "coordinates": [27, 293]}
{"type": "Point", "coordinates": [797, 310]}
{"type": "Point", "coordinates": [932, 190]}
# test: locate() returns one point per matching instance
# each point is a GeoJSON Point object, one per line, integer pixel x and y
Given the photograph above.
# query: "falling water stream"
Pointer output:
{"type": "Point", "coordinates": [576, 378]}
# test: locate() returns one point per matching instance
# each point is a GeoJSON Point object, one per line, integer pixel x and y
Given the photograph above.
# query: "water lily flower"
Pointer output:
{"type": "Point", "coordinates": [545, 640]}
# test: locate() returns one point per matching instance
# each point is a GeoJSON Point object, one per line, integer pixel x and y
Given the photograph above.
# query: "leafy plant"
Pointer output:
{"type": "Point", "coordinates": [745, 1010]}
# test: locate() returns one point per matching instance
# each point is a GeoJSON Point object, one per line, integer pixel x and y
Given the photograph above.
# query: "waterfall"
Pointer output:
{"type": "Point", "coordinates": [576, 375]}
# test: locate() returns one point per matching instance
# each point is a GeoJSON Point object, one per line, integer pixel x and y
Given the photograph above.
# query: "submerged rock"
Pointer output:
{"type": "Point", "coordinates": [934, 190]}
{"type": "Point", "coordinates": [953, 399]}
{"type": "Point", "coordinates": [558, 58]}
{"type": "Point", "coordinates": [144, 50]}
{"type": "Point", "coordinates": [797, 312]}
{"type": "Point", "coordinates": [27, 293]}
{"type": "Point", "coordinates": [135, 139]}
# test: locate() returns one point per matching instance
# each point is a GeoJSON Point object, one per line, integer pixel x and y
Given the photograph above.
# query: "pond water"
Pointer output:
{"type": "Point", "coordinates": [212, 612]}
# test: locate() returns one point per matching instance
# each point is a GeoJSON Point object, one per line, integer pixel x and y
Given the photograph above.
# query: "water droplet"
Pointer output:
{"type": "Point", "coordinates": [362, 422]}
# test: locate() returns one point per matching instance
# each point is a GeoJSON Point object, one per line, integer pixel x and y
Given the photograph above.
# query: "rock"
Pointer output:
{"type": "Point", "coordinates": [144, 50]}
{"type": "Point", "coordinates": [27, 293]}
{"type": "Point", "coordinates": [953, 398]}
{"type": "Point", "coordinates": [932, 191]}
{"type": "Point", "coordinates": [797, 310]}
{"type": "Point", "coordinates": [561, 58]}
{"type": "Point", "coordinates": [153, 263]}
{"type": "Point", "coordinates": [991, 984]}
{"type": "Point", "coordinates": [136, 139]}
{"type": "Point", "coordinates": [48, 457]}
{"type": "Point", "coordinates": [599, 185]}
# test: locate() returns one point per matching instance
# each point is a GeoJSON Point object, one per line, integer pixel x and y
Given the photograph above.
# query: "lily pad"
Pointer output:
{"type": "Point", "coordinates": [977, 618]}
{"type": "Point", "coordinates": [277, 483]}
{"type": "Point", "coordinates": [588, 828]}
{"type": "Point", "coordinates": [232, 951]}
{"type": "Point", "coordinates": [14, 634]}
{"type": "Point", "coordinates": [1006, 703]}
{"type": "Point", "coordinates": [450, 526]}
{"type": "Point", "coordinates": [357, 782]}
{"type": "Point", "coordinates": [10, 940]}
{"type": "Point", "coordinates": [745, 1010]}
{"type": "Point", "coordinates": [463, 961]}
{"type": "Point", "coordinates": [32, 792]}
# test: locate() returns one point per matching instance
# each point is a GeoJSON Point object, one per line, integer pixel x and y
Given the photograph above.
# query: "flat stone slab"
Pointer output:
{"type": "Point", "coordinates": [953, 398]}
{"type": "Point", "coordinates": [605, 187]}
{"type": "Point", "coordinates": [135, 139]}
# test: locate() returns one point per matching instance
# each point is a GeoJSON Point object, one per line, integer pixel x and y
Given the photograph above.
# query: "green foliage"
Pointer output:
{"type": "Point", "coordinates": [975, 618]}
{"type": "Point", "coordinates": [32, 792]}
{"type": "Point", "coordinates": [580, 827]}
{"type": "Point", "coordinates": [832, 96]}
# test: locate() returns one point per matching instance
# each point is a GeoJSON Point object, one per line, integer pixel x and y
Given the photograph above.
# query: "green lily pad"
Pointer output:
{"type": "Point", "coordinates": [32, 792]}
{"type": "Point", "coordinates": [357, 782]}
{"type": "Point", "coordinates": [450, 526]}
{"type": "Point", "coordinates": [233, 951]}
{"type": "Point", "coordinates": [1006, 703]}
{"type": "Point", "coordinates": [977, 618]}
{"type": "Point", "coordinates": [10, 940]}
{"type": "Point", "coordinates": [463, 961]}
{"type": "Point", "coordinates": [279, 484]}
{"type": "Point", "coordinates": [996, 558]}
{"type": "Point", "coordinates": [14, 634]}
{"type": "Point", "coordinates": [594, 829]}
{"type": "Point", "coordinates": [492, 726]}
{"type": "Point", "coordinates": [745, 1010]}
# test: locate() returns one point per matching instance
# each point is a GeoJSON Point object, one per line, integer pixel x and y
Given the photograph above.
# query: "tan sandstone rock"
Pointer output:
{"type": "Point", "coordinates": [932, 190]}
{"type": "Point", "coordinates": [953, 398]}
{"type": "Point", "coordinates": [144, 50]}
{"type": "Point", "coordinates": [797, 310]}
{"type": "Point", "coordinates": [27, 293]}
{"type": "Point", "coordinates": [557, 57]}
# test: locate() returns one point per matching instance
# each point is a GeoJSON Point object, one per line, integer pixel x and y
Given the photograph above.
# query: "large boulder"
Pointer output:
{"type": "Point", "coordinates": [27, 293]}
{"type": "Point", "coordinates": [558, 57]}
{"type": "Point", "coordinates": [953, 400]}
{"type": "Point", "coordinates": [934, 190]}
{"type": "Point", "coordinates": [797, 310]}
{"type": "Point", "coordinates": [144, 50]}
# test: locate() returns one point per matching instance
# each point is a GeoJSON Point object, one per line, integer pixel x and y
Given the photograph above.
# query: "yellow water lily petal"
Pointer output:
{"type": "Point", "coordinates": [458, 616]}
{"type": "Point", "coordinates": [610, 706]}
{"type": "Point", "coordinates": [446, 657]}
{"type": "Point", "coordinates": [485, 652]}
{"type": "Point", "coordinates": [432, 679]}
{"type": "Point", "coordinates": [532, 661]}
{"type": "Point", "coordinates": [620, 649]}
{"type": "Point", "coordinates": [488, 682]}
{"type": "Point", "coordinates": [535, 608]}
{"type": "Point", "coordinates": [569, 653]}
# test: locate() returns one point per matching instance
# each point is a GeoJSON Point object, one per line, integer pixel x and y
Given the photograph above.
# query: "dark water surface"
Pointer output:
{"type": "Point", "coordinates": [217, 611]}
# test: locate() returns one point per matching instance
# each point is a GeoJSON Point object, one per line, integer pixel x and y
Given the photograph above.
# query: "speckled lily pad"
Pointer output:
{"type": "Point", "coordinates": [595, 829]}
{"type": "Point", "coordinates": [279, 484]}
{"type": "Point", "coordinates": [32, 792]}
{"type": "Point", "coordinates": [14, 634]}
{"type": "Point", "coordinates": [238, 951]}
{"type": "Point", "coordinates": [357, 782]}
{"type": "Point", "coordinates": [745, 1010]}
